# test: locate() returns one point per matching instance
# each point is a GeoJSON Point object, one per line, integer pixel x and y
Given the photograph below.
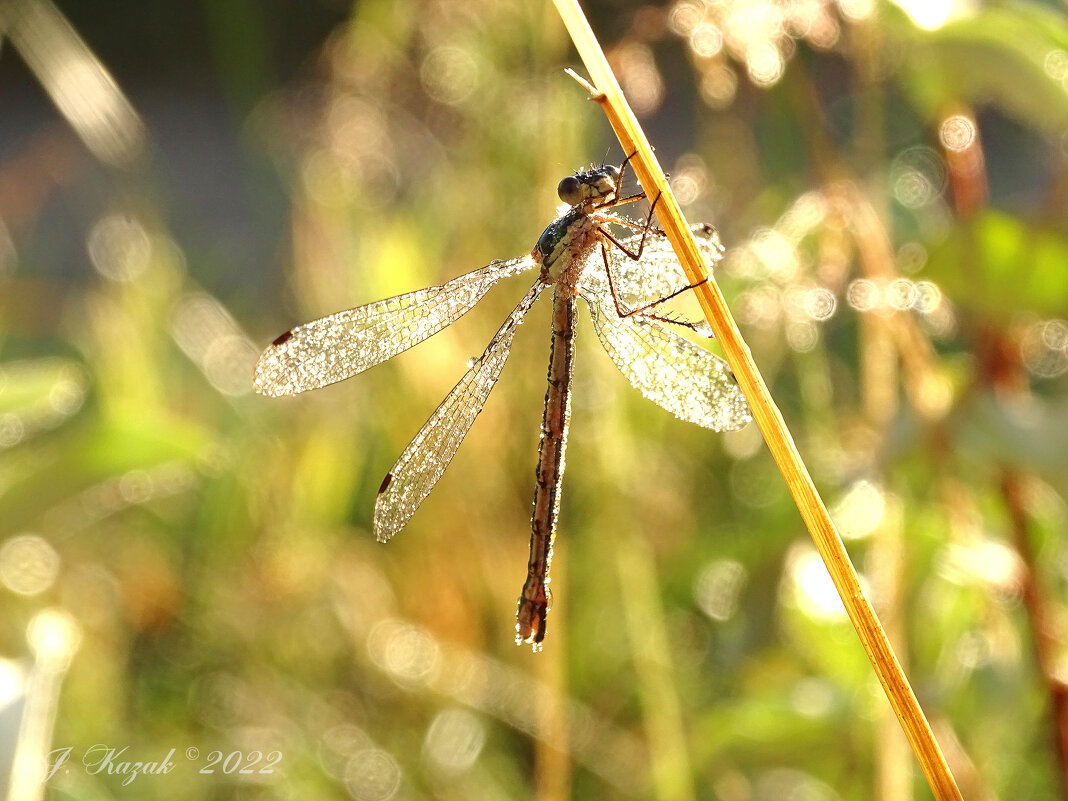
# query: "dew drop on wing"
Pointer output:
{"type": "Point", "coordinates": [282, 339]}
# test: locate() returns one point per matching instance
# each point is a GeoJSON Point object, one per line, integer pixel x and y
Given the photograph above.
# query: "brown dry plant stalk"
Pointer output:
{"type": "Point", "coordinates": [606, 91]}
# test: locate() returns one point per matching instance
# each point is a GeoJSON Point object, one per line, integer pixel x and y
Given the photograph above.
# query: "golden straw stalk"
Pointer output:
{"type": "Point", "coordinates": [605, 90]}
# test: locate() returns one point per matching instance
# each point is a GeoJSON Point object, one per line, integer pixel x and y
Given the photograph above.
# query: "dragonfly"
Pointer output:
{"type": "Point", "coordinates": [590, 252]}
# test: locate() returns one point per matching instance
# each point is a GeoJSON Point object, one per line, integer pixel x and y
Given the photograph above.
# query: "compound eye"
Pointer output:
{"type": "Point", "coordinates": [570, 190]}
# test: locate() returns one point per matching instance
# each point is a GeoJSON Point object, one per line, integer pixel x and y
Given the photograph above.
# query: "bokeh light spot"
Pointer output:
{"type": "Point", "coordinates": [119, 248]}
{"type": "Point", "coordinates": [819, 303]}
{"type": "Point", "coordinates": [28, 564]}
{"type": "Point", "coordinates": [1044, 348]}
{"type": "Point", "coordinates": [911, 257]}
{"type": "Point", "coordinates": [208, 334]}
{"type": "Point", "coordinates": [54, 636]}
{"type": "Point", "coordinates": [1056, 64]}
{"type": "Point", "coordinates": [801, 335]}
{"type": "Point", "coordinates": [689, 179]}
{"type": "Point", "coordinates": [863, 295]}
{"type": "Point", "coordinates": [639, 76]}
{"type": "Point", "coordinates": [684, 17]}
{"type": "Point", "coordinates": [927, 14]}
{"type": "Point", "coordinates": [917, 177]}
{"type": "Point", "coordinates": [717, 587]}
{"type": "Point", "coordinates": [706, 40]}
{"type": "Point", "coordinates": [764, 63]}
{"type": "Point", "coordinates": [454, 740]}
{"type": "Point", "coordinates": [450, 75]}
{"type": "Point", "coordinates": [901, 294]}
{"type": "Point", "coordinates": [927, 298]}
{"type": "Point", "coordinates": [372, 775]}
{"type": "Point", "coordinates": [809, 587]}
{"type": "Point", "coordinates": [856, 10]}
{"type": "Point", "coordinates": [719, 84]}
{"type": "Point", "coordinates": [859, 511]}
{"type": "Point", "coordinates": [957, 132]}
{"type": "Point", "coordinates": [404, 651]}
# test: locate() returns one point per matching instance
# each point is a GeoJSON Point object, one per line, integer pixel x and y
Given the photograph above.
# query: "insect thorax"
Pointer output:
{"type": "Point", "coordinates": [551, 239]}
{"type": "Point", "coordinates": [562, 245]}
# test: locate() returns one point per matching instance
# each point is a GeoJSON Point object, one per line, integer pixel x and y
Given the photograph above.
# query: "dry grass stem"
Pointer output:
{"type": "Point", "coordinates": [606, 91]}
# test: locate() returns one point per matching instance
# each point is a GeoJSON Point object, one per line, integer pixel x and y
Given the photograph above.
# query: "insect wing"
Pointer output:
{"type": "Point", "coordinates": [422, 463]}
{"type": "Point", "coordinates": [341, 345]}
{"type": "Point", "coordinates": [668, 369]}
{"type": "Point", "coordinates": [658, 273]}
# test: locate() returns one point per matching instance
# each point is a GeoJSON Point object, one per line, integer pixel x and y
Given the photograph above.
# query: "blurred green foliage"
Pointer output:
{"type": "Point", "coordinates": [891, 188]}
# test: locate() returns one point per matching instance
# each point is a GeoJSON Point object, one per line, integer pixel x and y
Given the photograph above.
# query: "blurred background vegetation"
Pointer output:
{"type": "Point", "coordinates": [187, 565]}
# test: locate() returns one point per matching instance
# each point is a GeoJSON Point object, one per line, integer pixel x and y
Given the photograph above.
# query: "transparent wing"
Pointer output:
{"type": "Point", "coordinates": [658, 273]}
{"type": "Point", "coordinates": [421, 464]}
{"type": "Point", "coordinates": [671, 371]}
{"type": "Point", "coordinates": [346, 343]}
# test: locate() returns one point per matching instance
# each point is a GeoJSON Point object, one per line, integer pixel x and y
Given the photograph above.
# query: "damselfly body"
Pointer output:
{"type": "Point", "coordinates": [578, 258]}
